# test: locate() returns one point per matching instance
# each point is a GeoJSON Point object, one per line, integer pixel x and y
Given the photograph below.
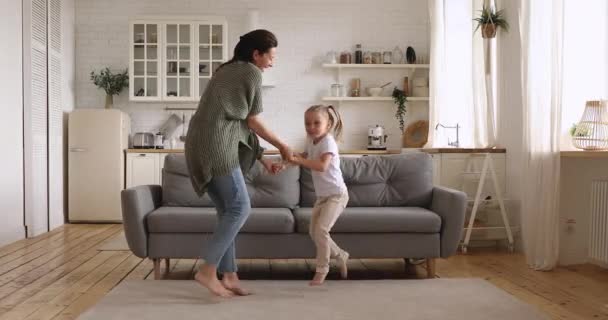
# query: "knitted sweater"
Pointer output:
{"type": "Point", "coordinates": [218, 139]}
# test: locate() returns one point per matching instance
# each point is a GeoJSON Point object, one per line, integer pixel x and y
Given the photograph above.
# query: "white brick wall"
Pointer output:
{"type": "Point", "coordinates": [306, 31]}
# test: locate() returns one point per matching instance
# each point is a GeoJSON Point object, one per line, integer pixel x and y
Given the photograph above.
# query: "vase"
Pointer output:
{"type": "Point", "coordinates": [488, 30]}
{"type": "Point", "coordinates": [109, 101]}
{"type": "Point", "coordinates": [591, 132]}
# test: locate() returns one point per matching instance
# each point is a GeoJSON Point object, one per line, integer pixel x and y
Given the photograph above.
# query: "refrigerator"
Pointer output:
{"type": "Point", "coordinates": [97, 139]}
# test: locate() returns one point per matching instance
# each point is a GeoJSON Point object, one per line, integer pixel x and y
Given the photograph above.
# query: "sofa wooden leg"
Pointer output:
{"type": "Point", "coordinates": [430, 268]}
{"type": "Point", "coordinates": [167, 265]}
{"type": "Point", "coordinates": [156, 262]}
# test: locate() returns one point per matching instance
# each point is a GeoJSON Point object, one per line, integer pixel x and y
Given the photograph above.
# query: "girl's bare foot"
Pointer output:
{"type": "Point", "coordinates": [231, 281]}
{"type": "Point", "coordinates": [318, 279]}
{"type": "Point", "coordinates": [342, 265]}
{"type": "Point", "coordinates": [206, 276]}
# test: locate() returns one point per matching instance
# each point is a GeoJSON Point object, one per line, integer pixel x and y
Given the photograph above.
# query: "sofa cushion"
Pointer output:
{"type": "Point", "coordinates": [404, 180]}
{"type": "Point", "coordinates": [374, 220]}
{"type": "Point", "coordinates": [265, 190]}
{"type": "Point", "coordinates": [203, 220]}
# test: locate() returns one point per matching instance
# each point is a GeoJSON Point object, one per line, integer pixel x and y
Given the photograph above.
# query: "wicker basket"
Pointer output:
{"type": "Point", "coordinates": [592, 131]}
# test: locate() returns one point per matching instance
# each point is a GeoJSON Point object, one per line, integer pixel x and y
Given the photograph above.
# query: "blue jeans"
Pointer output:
{"type": "Point", "coordinates": [231, 199]}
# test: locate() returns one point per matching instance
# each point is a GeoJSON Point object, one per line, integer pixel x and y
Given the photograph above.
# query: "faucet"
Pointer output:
{"type": "Point", "coordinates": [456, 143]}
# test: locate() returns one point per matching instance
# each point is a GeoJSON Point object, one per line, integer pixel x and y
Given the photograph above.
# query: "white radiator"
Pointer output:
{"type": "Point", "coordinates": [598, 226]}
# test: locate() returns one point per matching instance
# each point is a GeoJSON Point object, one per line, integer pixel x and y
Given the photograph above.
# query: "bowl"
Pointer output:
{"type": "Point", "coordinates": [374, 91]}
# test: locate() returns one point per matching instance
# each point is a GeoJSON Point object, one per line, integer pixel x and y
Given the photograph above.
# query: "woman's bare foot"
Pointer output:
{"type": "Point", "coordinates": [342, 265]}
{"type": "Point", "coordinates": [207, 277]}
{"type": "Point", "coordinates": [318, 279]}
{"type": "Point", "coordinates": [230, 281]}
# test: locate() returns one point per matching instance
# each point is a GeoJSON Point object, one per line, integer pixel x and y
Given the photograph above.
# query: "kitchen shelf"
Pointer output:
{"type": "Point", "coordinates": [372, 99]}
{"type": "Point", "coordinates": [375, 66]}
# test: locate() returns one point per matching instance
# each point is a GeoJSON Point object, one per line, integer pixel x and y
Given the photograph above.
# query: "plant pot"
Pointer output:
{"type": "Point", "coordinates": [488, 30]}
{"type": "Point", "coordinates": [109, 101]}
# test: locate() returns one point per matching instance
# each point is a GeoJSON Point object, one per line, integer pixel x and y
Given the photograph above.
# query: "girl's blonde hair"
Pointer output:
{"type": "Point", "coordinates": [335, 120]}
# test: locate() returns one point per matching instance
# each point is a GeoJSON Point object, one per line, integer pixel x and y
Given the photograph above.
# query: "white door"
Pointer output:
{"type": "Point", "coordinates": [11, 124]}
{"type": "Point", "coordinates": [142, 169]}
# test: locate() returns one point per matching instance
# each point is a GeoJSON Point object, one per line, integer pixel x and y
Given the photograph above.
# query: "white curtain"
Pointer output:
{"type": "Point", "coordinates": [462, 67]}
{"type": "Point", "coordinates": [484, 83]}
{"type": "Point", "coordinates": [438, 83]}
{"type": "Point", "coordinates": [541, 27]}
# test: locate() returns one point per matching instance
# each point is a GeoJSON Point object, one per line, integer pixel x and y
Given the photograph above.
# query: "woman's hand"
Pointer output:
{"type": "Point", "coordinates": [297, 159]}
{"type": "Point", "coordinates": [286, 153]}
{"type": "Point", "coordinates": [271, 166]}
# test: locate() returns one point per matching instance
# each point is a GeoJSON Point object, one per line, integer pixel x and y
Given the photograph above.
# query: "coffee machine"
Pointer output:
{"type": "Point", "coordinates": [376, 139]}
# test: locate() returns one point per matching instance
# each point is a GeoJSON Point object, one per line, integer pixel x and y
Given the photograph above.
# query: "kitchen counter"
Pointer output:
{"type": "Point", "coordinates": [465, 150]}
{"type": "Point", "coordinates": [270, 152]}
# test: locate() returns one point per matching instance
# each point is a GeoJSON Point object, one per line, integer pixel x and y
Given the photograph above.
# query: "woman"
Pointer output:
{"type": "Point", "coordinates": [222, 145]}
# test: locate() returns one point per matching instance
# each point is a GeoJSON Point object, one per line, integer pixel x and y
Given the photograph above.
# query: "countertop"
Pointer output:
{"type": "Point", "coordinates": [464, 150]}
{"type": "Point", "coordinates": [584, 154]}
{"type": "Point", "coordinates": [357, 152]}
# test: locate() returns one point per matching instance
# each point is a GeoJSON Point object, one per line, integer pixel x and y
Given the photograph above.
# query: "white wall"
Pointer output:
{"type": "Point", "coordinates": [11, 123]}
{"type": "Point", "coordinates": [306, 30]}
{"type": "Point", "coordinates": [510, 130]}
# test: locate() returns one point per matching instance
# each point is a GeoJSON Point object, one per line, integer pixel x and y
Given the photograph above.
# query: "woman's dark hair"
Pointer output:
{"type": "Point", "coordinates": [261, 40]}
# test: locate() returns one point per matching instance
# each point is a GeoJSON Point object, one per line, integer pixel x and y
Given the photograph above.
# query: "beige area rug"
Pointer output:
{"type": "Point", "coordinates": [115, 243]}
{"type": "Point", "coordinates": [470, 299]}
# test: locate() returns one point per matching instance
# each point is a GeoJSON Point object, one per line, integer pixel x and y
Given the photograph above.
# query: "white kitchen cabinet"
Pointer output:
{"type": "Point", "coordinates": [172, 59]}
{"type": "Point", "coordinates": [143, 169]}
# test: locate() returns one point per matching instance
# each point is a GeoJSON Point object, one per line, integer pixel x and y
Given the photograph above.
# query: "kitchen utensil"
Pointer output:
{"type": "Point", "coordinates": [416, 134]}
{"type": "Point", "coordinates": [386, 84]}
{"type": "Point", "coordinates": [374, 91]}
{"type": "Point", "coordinates": [143, 140]}
{"type": "Point", "coordinates": [182, 138]}
{"type": "Point", "coordinates": [376, 139]}
{"type": "Point", "coordinates": [158, 141]}
{"type": "Point", "coordinates": [169, 127]}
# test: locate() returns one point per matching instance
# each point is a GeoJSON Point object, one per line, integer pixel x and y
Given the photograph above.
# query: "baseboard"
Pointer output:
{"type": "Point", "coordinates": [11, 236]}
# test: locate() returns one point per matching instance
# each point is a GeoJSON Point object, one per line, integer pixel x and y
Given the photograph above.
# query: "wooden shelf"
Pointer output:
{"type": "Point", "coordinates": [381, 98]}
{"type": "Point", "coordinates": [375, 66]}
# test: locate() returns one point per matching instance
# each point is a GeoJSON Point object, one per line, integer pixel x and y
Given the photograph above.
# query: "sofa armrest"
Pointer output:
{"type": "Point", "coordinates": [451, 206]}
{"type": "Point", "coordinates": [137, 203]}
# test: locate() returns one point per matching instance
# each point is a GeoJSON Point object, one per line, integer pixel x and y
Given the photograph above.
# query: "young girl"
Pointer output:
{"type": "Point", "coordinates": [322, 158]}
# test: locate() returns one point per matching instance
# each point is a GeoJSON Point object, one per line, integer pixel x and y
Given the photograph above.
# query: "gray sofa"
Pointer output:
{"type": "Point", "coordinates": [394, 212]}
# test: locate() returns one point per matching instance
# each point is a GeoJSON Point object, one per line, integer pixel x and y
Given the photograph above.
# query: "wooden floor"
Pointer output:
{"type": "Point", "coordinates": [60, 274]}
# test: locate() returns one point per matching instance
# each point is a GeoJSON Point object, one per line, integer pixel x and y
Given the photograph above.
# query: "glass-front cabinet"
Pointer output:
{"type": "Point", "coordinates": [173, 60]}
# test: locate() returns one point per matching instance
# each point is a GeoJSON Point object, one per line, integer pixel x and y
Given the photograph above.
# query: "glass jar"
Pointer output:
{"type": "Point", "coordinates": [397, 55]}
{"type": "Point", "coordinates": [376, 57]}
{"type": "Point", "coordinates": [358, 54]}
{"type": "Point", "coordinates": [387, 57]}
{"type": "Point", "coordinates": [331, 57]}
{"type": "Point", "coordinates": [345, 57]}
{"type": "Point", "coordinates": [336, 90]}
{"type": "Point", "coordinates": [367, 57]}
{"type": "Point", "coordinates": [355, 90]}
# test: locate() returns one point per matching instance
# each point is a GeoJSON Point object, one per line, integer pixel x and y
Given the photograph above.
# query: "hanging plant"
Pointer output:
{"type": "Point", "coordinates": [489, 20]}
{"type": "Point", "coordinates": [400, 99]}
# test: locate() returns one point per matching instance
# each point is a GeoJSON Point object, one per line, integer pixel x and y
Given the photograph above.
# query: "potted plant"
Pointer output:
{"type": "Point", "coordinates": [400, 98]}
{"type": "Point", "coordinates": [489, 20]}
{"type": "Point", "coordinates": [111, 83]}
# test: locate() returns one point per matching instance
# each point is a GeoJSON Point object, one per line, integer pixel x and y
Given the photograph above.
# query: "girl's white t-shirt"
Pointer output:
{"type": "Point", "coordinates": [330, 182]}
